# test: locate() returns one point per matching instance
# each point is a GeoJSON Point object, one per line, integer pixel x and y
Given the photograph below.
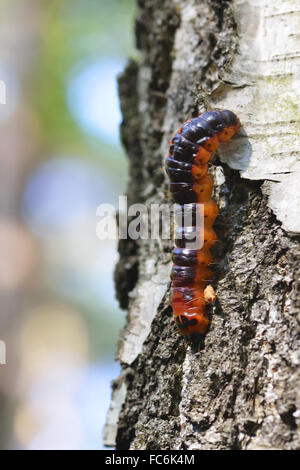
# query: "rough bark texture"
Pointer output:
{"type": "Point", "coordinates": [242, 390]}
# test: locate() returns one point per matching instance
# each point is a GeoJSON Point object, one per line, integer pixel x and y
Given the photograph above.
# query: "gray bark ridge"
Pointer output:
{"type": "Point", "coordinates": [242, 390]}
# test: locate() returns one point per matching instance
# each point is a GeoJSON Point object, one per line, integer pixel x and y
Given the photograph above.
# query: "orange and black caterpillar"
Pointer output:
{"type": "Point", "coordinates": [190, 185]}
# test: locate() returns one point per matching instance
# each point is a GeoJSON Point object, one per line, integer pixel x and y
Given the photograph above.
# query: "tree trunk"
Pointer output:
{"type": "Point", "coordinates": [241, 390]}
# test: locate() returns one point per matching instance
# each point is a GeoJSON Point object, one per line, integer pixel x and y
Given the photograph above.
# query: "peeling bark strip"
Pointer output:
{"type": "Point", "coordinates": [242, 390]}
{"type": "Point", "coordinates": [264, 78]}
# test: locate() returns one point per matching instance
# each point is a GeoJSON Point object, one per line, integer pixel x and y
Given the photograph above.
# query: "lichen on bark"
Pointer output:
{"type": "Point", "coordinates": [241, 390]}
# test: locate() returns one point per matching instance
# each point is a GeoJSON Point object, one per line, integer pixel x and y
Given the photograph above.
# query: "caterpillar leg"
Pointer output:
{"type": "Point", "coordinates": [209, 294]}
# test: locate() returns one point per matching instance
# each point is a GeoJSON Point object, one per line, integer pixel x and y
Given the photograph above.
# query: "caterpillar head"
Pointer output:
{"type": "Point", "coordinates": [192, 322]}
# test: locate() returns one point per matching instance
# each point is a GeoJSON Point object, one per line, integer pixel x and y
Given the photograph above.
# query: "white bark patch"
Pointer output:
{"type": "Point", "coordinates": [146, 298]}
{"type": "Point", "coordinates": [111, 426]}
{"type": "Point", "coordinates": [264, 91]}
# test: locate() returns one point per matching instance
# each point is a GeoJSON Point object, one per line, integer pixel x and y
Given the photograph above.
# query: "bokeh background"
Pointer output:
{"type": "Point", "coordinates": [60, 157]}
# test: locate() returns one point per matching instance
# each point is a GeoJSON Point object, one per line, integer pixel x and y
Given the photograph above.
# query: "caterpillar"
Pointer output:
{"type": "Point", "coordinates": [191, 185]}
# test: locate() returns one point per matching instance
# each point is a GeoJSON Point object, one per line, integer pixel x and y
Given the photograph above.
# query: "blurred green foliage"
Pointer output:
{"type": "Point", "coordinates": [73, 31]}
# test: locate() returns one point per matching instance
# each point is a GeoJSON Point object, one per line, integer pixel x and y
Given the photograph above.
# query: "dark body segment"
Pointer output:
{"type": "Point", "coordinates": [184, 257]}
{"type": "Point", "coordinates": [182, 149]}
